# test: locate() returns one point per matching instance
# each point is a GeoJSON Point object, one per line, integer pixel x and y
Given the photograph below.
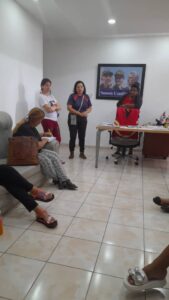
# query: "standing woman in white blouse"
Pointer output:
{"type": "Point", "coordinates": [51, 107]}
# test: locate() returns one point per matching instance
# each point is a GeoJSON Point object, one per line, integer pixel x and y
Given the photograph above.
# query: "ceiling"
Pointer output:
{"type": "Point", "coordinates": [88, 18]}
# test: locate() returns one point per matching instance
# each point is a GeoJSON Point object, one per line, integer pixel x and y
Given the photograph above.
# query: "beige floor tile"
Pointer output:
{"type": "Point", "coordinates": [160, 294]}
{"type": "Point", "coordinates": [124, 236]}
{"type": "Point", "coordinates": [94, 212]}
{"type": "Point", "coordinates": [115, 261]}
{"type": "Point", "coordinates": [155, 241]}
{"type": "Point", "coordinates": [129, 192]}
{"type": "Point", "coordinates": [73, 196]}
{"type": "Point", "coordinates": [9, 236]}
{"type": "Point", "coordinates": [104, 189]}
{"type": "Point", "coordinates": [64, 207]}
{"type": "Point", "coordinates": [158, 221]}
{"type": "Point", "coordinates": [60, 283]}
{"type": "Point", "coordinates": [83, 186]}
{"type": "Point", "coordinates": [63, 224]}
{"type": "Point", "coordinates": [100, 200]}
{"type": "Point", "coordinates": [126, 217]}
{"type": "Point", "coordinates": [111, 176]}
{"type": "Point", "coordinates": [19, 217]}
{"type": "Point", "coordinates": [76, 253]}
{"type": "Point", "coordinates": [104, 181]}
{"type": "Point", "coordinates": [86, 177]}
{"type": "Point", "coordinates": [36, 245]}
{"type": "Point", "coordinates": [149, 257]}
{"type": "Point", "coordinates": [128, 203]}
{"type": "Point", "coordinates": [109, 288]}
{"type": "Point", "coordinates": [86, 229]}
{"type": "Point", "coordinates": [17, 275]}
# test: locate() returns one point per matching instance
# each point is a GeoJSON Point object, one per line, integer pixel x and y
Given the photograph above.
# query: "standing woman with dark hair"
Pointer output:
{"type": "Point", "coordinates": [50, 106]}
{"type": "Point", "coordinates": [79, 106]}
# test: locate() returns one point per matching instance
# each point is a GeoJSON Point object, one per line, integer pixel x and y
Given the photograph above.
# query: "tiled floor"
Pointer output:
{"type": "Point", "coordinates": [105, 227]}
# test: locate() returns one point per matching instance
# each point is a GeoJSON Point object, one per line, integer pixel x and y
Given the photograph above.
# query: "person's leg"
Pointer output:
{"type": "Point", "coordinates": [52, 167]}
{"type": "Point", "coordinates": [158, 268]}
{"type": "Point", "coordinates": [30, 204]}
{"type": "Point", "coordinates": [9, 176]}
{"type": "Point", "coordinates": [72, 141]}
{"type": "Point", "coordinates": [22, 195]}
{"type": "Point", "coordinates": [56, 132]}
{"type": "Point", "coordinates": [82, 124]}
{"type": "Point", "coordinates": [155, 273]}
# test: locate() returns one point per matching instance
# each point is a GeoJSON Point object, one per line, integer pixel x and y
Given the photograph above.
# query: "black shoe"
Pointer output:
{"type": "Point", "coordinates": [55, 181]}
{"type": "Point", "coordinates": [82, 155]}
{"type": "Point", "coordinates": [71, 156]}
{"type": "Point", "coordinates": [67, 185]}
{"type": "Point", "coordinates": [157, 200]}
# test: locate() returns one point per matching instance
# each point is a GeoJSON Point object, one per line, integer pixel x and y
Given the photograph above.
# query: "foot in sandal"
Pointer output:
{"type": "Point", "coordinates": [41, 195]}
{"type": "Point", "coordinates": [145, 279]}
{"type": "Point", "coordinates": [43, 217]}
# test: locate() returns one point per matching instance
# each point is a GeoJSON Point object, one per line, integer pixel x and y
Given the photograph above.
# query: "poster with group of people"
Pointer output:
{"type": "Point", "coordinates": [114, 81]}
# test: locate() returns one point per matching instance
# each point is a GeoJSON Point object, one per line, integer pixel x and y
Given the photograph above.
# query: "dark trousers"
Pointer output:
{"type": "Point", "coordinates": [18, 186]}
{"type": "Point", "coordinates": [80, 129]}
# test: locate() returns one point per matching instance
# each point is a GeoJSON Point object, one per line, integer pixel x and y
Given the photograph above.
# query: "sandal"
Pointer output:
{"type": "Point", "coordinates": [50, 222]}
{"type": "Point", "coordinates": [141, 281]}
{"type": "Point", "coordinates": [43, 196]}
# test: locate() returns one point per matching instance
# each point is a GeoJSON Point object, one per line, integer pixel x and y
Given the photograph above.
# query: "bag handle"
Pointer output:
{"type": "Point", "coordinates": [81, 104]}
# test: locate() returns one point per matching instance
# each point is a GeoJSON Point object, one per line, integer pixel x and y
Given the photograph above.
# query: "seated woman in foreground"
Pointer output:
{"type": "Point", "coordinates": [151, 276]}
{"type": "Point", "coordinates": [50, 161]}
{"type": "Point", "coordinates": [26, 193]}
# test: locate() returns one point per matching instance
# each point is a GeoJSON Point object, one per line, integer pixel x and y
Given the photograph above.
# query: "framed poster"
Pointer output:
{"type": "Point", "coordinates": [115, 80]}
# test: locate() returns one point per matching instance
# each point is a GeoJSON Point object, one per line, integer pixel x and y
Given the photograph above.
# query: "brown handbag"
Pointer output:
{"type": "Point", "coordinates": [22, 151]}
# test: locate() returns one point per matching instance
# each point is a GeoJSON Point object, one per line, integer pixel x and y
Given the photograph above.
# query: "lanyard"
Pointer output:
{"type": "Point", "coordinates": [81, 104]}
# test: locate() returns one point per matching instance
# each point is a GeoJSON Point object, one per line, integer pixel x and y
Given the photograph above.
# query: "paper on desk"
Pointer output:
{"type": "Point", "coordinates": [106, 124]}
{"type": "Point", "coordinates": [49, 138]}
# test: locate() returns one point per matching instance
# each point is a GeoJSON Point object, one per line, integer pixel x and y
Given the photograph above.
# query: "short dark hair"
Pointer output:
{"type": "Point", "coordinates": [75, 86]}
{"type": "Point", "coordinates": [136, 86]}
{"type": "Point", "coordinates": [44, 81]}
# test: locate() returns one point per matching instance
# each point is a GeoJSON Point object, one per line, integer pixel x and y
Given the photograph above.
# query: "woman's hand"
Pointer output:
{"type": "Point", "coordinates": [47, 134]}
{"type": "Point", "coordinates": [84, 114]}
{"type": "Point", "coordinates": [42, 143]}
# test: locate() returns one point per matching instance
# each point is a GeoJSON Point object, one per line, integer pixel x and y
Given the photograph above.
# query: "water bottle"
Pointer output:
{"type": "Point", "coordinates": [1, 224]}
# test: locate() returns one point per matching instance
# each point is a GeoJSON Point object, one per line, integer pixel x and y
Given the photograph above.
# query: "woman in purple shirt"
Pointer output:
{"type": "Point", "coordinates": [79, 106]}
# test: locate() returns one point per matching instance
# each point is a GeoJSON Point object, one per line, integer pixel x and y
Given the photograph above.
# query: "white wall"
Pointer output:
{"type": "Point", "coordinates": [67, 61]}
{"type": "Point", "coordinates": [21, 59]}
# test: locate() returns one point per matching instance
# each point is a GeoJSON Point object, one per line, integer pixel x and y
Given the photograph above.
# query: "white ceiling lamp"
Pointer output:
{"type": "Point", "coordinates": [111, 21]}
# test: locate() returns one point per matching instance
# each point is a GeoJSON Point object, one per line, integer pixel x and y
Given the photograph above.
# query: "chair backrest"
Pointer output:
{"type": "Point", "coordinates": [127, 117]}
{"type": "Point", "coordinates": [5, 133]}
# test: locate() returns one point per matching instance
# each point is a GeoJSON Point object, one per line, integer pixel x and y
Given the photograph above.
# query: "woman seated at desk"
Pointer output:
{"type": "Point", "coordinates": [129, 101]}
{"type": "Point", "coordinates": [132, 99]}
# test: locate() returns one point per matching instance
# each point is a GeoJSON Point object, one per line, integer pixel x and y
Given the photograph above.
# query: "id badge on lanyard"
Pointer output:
{"type": "Point", "coordinates": [73, 119]}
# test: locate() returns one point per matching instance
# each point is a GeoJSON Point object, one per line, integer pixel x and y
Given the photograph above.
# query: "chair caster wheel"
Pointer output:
{"type": "Point", "coordinates": [107, 157]}
{"type": "Point", "coordinates": [136, 163]}
{"type": "Point", "coordinates": [137, 158]}
{"type": "Point", "coordinates": [116, 162]}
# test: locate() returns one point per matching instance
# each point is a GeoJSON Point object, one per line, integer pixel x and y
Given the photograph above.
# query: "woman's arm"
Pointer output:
{"type": "Point", "coordinates": [49, 108]}
{"type": "Point", "coordinates": [73, 111]}
{"type": "Point", "coordinates": [85, 113]}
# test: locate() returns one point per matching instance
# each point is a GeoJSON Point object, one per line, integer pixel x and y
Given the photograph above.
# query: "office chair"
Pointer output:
{"type": "Point", "coordinates": [123, 140]}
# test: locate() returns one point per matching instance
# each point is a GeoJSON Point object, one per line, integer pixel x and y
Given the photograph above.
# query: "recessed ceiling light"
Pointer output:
{"type": "Point", "coordinates": [111, 21]}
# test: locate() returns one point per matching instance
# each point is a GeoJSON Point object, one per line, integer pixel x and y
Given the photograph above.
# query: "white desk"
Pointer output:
{"type": "Point", "coordinates": [144, 129]}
